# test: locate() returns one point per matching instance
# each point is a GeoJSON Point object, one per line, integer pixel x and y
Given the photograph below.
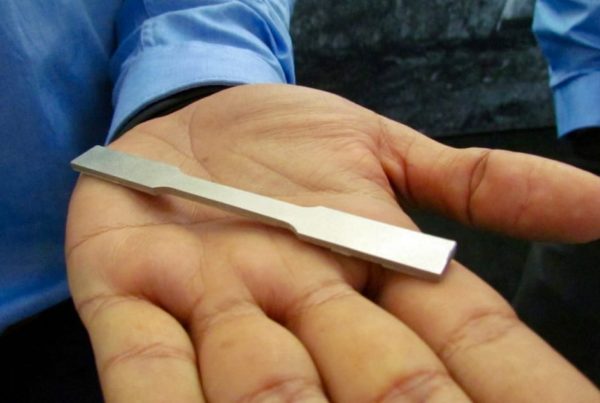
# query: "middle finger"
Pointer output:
{"type": "Point", "coordinates": [365, 354]}
{"type": "Point", "coordinates": [361, 352]}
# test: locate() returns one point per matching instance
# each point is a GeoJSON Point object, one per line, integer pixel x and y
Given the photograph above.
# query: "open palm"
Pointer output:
{"type": "Point", "coordinates": [184, 302]}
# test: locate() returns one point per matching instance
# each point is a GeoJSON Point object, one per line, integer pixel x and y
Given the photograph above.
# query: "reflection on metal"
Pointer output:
{"type": "Point", "coordinates": [393, 247]}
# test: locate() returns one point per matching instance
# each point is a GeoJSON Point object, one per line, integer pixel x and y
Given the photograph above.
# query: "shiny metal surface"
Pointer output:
{"type": "Point", "coordinates": [395, 248]}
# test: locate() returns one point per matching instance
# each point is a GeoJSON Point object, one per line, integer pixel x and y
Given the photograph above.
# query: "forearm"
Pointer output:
{"type": "Point", "coordinates": [167, 48]}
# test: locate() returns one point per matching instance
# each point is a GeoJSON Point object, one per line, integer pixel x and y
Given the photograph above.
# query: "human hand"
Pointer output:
{"type": "Point", "coordinates": [184, 302]}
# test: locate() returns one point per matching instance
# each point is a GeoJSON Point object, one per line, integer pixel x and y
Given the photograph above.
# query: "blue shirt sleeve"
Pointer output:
{"type": "Point", "coordinates": [568, 32]}
{"type": "Point", "coordinates": [169, 46]}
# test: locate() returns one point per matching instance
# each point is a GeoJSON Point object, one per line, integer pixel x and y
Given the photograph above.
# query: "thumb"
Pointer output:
{"type": "Point", "coordinates": [514, 193]}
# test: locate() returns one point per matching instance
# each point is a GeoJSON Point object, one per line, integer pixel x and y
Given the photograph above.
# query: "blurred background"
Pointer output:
{"type": "Point", "coordinates": [446, 67]}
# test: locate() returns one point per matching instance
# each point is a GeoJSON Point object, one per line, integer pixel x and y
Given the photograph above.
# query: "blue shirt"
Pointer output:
{"type": "Point", "coordinates": [72, 72]}
{"type": "Point", "coordinates": [568, 32]}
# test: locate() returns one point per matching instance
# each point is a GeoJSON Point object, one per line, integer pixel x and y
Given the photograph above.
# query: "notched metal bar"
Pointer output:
{"type": "Point", "coordinates": [395, 248]}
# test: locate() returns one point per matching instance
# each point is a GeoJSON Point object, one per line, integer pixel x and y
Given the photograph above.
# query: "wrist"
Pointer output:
{"type": "Point", "coordinates": [168, 105]}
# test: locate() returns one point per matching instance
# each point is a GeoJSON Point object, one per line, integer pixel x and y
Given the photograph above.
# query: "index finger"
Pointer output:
{"type": "Point", "coordinates": [514, 193]}
{"type": "Point", "coordinates": [484, 346]}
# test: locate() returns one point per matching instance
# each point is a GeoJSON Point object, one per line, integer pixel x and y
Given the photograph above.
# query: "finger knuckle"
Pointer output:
{"type": "Point", "coordinates": [95, 306]}
{"type": "Point", "coordinates": [141, 353]}
{"type": "Point", "coordinates": [480, 329]}
{"type": "Point", "coordinates": [230, 310]}
{"type": "Point", "coordinates": [285, 390]}
{"type": "Point", "coordinates": [478, 176]}
{"type": "Point", "coordinates": [319, 296]}
{"type": "Point", "coordinates": [419, 386]}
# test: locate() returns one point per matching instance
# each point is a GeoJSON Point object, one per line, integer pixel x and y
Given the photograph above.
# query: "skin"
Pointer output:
{"type": "Point", "coordinates": [186, 303]}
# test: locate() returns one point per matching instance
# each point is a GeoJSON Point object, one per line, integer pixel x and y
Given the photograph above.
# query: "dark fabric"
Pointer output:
{"type": "Point", "coordinates": [559, 298]}
{"type": "Point", "coordinates": [48, 358]}
{"type": "Point", "coordinates": [585, 144]}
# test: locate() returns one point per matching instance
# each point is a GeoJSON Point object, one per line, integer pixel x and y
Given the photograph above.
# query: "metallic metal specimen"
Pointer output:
{"type": "Point", "coordinates": [395, 248]}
